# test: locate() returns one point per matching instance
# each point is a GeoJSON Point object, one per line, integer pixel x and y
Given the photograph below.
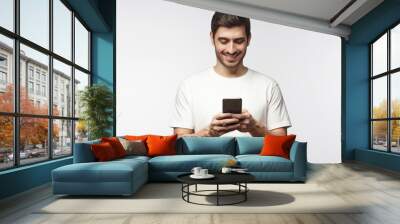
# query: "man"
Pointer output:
{"type": "Point", "coordinates": [199, 98]}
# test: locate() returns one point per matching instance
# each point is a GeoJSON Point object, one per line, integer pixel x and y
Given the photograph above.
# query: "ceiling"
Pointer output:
{"type": "Point", "coordinates": [326, 16]}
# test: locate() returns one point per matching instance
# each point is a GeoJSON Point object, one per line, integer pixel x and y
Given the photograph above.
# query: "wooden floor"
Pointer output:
{"type": "Point", "coordinates": [378, 188]}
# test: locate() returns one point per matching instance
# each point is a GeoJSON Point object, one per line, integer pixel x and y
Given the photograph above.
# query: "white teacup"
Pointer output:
{"type": "Point", "coordinates": [196, 170]}
{"type": "Point", "coordinates": [203, 172]}
{"type": "Point", "coordinates": [226, 170]}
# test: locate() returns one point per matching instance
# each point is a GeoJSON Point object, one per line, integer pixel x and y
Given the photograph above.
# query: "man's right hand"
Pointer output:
{"type": "Point", "coordinates": [223, 123]}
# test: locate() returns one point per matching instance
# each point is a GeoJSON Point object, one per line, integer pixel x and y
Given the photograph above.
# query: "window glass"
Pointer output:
{"type": "Point", "coordinates": [6, 74]}
{"type": "Point", "coordinates": [81, 131]}
{"type": "Point", "coordinates": [62, 91]}
{"type": "Point", "coordinates": [379, 55]}
{"type": "Point", "coordinates": [34, 21]}
{"type": "Point", "coordinates": [30, 58]}
{"type": "Point", "coordinates": [62, 29]}
{"type": "Point", "coordinates": [379, 135]}
{"type": "Point", "coordinates": [81, 82]}
{"type": "Point", "coordinates": [395, 94]}
{"type": "Point", "coordinates": [33, 140]}
{"type": "Point", "coordinates": [379, 93]}
{"type": "Point", "coordinates": [62, 137]}
{"type": "Point", "coordinates": [395, 136]}
{"type": "Point", "coordinates": [6, 142]}
{"type": "Point", "coordinates": [395, 47]}
{"type": "Point", "coordinates": [7, 14]}
{"type": "Point", "coordinates": [81, 45]}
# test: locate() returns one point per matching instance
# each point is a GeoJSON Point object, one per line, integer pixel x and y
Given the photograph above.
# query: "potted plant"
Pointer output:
{"type": "Point", "coordinates": [96, 102]}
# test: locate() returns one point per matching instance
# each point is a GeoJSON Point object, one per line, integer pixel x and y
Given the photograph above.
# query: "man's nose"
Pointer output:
{"type": "Point", "coordinates": [231, 48]}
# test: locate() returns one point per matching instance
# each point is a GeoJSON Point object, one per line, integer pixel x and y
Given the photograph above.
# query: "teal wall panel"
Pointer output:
{"type": "Point", "coordinates": [355, 123]}
{"type": "Point", "coordinates": [24, 178]}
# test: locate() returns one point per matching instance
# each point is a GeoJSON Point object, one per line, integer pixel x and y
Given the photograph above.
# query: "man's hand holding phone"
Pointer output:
{"type": "Point", "coordinates": [246, 122]}
{"type": "Point", "coordinates": [223, 123]}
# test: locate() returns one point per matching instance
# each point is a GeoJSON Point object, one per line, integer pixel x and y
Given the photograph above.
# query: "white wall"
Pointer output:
{"type": "Point", "coordinates": [159, 43]}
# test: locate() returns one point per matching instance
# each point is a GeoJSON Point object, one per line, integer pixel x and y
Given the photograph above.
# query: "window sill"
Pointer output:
{"type": "Point", "coordinates": [26, 167]}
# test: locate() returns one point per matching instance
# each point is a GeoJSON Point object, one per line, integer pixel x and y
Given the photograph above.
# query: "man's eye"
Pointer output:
{"type": "Point", "coordinates": [239, 41]}
{"type": "Point", "coordinates": [223, 41]}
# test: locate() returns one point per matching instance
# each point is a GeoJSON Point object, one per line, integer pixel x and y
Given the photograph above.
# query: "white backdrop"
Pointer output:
{"type": "Point", "coordinates": [159, 43]}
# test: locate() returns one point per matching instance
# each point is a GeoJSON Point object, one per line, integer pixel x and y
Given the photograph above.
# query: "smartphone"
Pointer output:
{"type": "Point", "coordinates": [233, 106]}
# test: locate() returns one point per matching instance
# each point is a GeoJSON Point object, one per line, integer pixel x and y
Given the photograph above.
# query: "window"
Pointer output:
{"type": "Point", "coordinates": [3, 72]}
{"type": "Point", "coordinates": [81, 45]}
{"type": "Point", "coordinates": [3, 61]}
{"type": "Point", "coordinates": [6, 142]}
{"type": "Point", "coordinates": [3, 78]}
{"type": "Point", "coordinates": [385, 92]}
{"type": "Point", "coordinates": [62, 74]}
{"type": "Point", "coordinates": [62, 29]}
{"type": "Point", "coordinates": [30, 72]}
{"type": "Point", "coordinates": [44, 91]}
{"type": "Point", "coordinates": [37, 75]}
{"type": "Point", "coordinates": [45, 131]}
{"type": "Point", "coordinates": [43, 77]}
{"type": "Point", "coordinates": [35, 21]}
{"type": "Point", "coordinates": [6, 72]}
{"type": "Point", "coordinates": [30, 87]}
{"type": "Point", "coordinates": [7, 14]}
{"type": "Point", "coordinates": [38, 89]}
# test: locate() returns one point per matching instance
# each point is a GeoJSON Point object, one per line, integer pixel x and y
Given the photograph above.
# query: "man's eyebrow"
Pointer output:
{"type": "Point", "coordinates": [225, 38]}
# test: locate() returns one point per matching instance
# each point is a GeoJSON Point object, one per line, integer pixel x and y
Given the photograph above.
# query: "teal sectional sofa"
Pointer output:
{"type": "Point", "coordinates": [125, 176]}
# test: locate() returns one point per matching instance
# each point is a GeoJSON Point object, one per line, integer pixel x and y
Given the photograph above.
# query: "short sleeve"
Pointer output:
{"type": "Point", "coordinates": [182, 112]}
{"type": "Point", "coordinates": [277, 115]}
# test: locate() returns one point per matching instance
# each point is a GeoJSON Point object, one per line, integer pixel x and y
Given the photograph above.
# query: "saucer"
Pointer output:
{"type": "Point", "coordinates": [208, 176]}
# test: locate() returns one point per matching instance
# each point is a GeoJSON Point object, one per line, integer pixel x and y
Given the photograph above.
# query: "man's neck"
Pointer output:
{"type": "Point", "coordinates": [230, 72]}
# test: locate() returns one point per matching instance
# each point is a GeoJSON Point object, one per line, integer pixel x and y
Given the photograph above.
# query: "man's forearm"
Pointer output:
{"type": "Point", "coordinates": [260, 131]}
{"type": "Point", "coordinates": [201, 133]}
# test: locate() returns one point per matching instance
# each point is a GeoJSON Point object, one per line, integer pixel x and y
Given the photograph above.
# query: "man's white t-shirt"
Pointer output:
{"type": "Point", "coordinates": [199, 99]}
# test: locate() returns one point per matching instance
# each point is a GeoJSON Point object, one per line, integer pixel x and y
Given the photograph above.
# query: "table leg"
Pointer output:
{"type": "Point", "coordinates": [217, 194]}
{"type": "Point", "coordinates": [245, 193]}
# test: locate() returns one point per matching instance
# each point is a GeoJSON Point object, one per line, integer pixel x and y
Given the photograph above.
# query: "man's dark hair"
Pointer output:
{"type": "Point", "coordinates": [227, 20]}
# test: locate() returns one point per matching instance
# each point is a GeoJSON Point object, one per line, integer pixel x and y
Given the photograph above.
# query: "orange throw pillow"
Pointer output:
{"type": "Point", "coordinates": [116, 145]}
{"type": "Point", "coordinates": [103, 152]}
{"type": "Point", "coordinates": [161, 145]}
{"type": "Point", "coordinates": [135, 138]}
{"type": "Point", "coordinates": [277, 145]}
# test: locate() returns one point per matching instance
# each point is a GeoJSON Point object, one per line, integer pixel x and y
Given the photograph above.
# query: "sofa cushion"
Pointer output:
{"type": "Point", "coordinates": [111, 171]}
{"type": "Point", "coordinates": [134, 147]}
{"type": "Point", "coordinates": [206, 145]}
{"type": "Point", "coordinates": [257, 163]}
{"type": "Point", "coordinates": [161, 145]}
{"type": "Point", "coordinates": [249, 145]}
{"type": "Point", "coordinates": [185, 163]}
{"type": "Point", "coordinates": [83, 152]}
{"type": "Point", "coordinates": [277, 145]}
{"type": "Point", "coordinates": [116, 145]}
{"type": "Point", "coordinates": [103, 152]}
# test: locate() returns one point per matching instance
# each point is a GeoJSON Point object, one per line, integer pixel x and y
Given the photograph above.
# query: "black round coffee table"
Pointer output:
{"type": "Point", "coordinates": [238, 179]}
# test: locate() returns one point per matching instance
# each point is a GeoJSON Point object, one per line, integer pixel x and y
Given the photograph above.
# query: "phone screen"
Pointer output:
{"type": "Point", "coordinates": [233, 106]}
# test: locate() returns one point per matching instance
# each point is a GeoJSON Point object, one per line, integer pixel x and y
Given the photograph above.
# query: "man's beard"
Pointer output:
{"type": "Point", "coordinates": [231, 66]}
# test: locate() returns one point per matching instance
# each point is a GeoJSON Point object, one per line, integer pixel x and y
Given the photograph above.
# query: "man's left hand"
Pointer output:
{"type": "Point", "coordinates": [246, 121]}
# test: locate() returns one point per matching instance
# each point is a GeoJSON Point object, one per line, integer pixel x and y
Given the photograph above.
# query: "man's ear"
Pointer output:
{"type": "Point", "coordinates": [248, 40]}
{"type": "Point", "coordinates": [212, 38]}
